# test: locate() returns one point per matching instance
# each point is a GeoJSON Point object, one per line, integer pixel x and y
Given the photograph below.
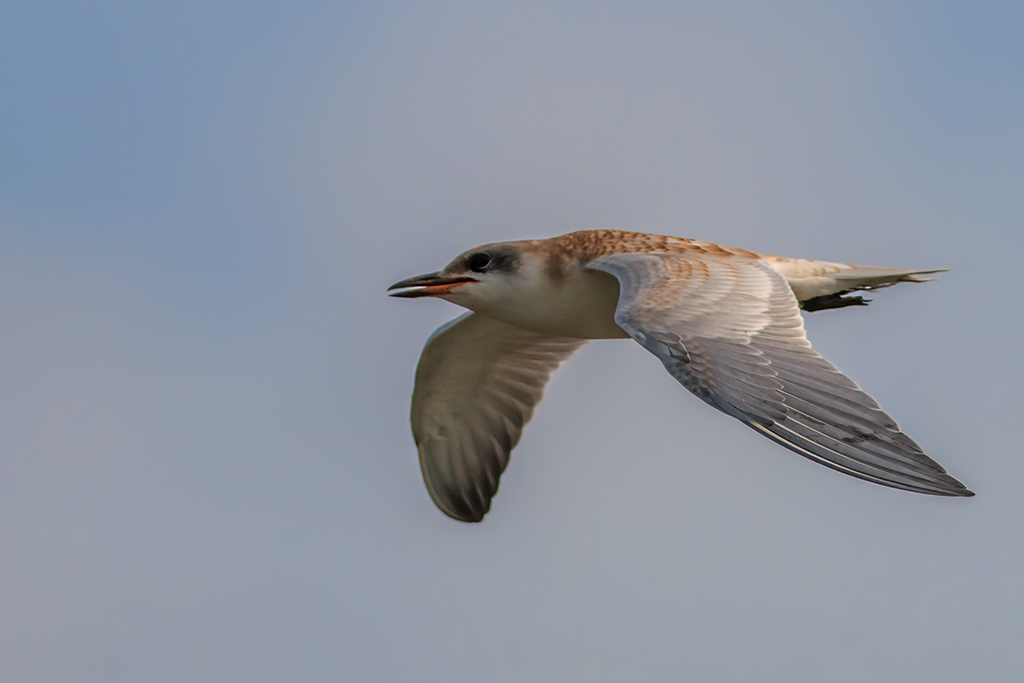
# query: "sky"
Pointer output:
{"type": "Point", "coordinates": [206, 467]}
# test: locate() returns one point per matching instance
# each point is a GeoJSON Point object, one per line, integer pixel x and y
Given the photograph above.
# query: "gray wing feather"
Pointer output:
{"type": "Point", "coordinates": [477, 384]}
{"type": "Point", "coordinates": [731, 332]}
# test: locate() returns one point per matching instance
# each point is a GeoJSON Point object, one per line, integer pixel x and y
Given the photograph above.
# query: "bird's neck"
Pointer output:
{"type": "Point", "coordinates": [566, 302]}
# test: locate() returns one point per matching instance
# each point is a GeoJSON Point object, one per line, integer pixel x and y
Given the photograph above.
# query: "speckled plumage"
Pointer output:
{"type": "Point", "coordinates": [725, 322]}
{"type": "Point", "coordinates": [587, 245]}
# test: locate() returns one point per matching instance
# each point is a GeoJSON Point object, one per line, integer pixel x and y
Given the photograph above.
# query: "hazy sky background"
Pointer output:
{"type": "Point", "coordinates": [207, 472]}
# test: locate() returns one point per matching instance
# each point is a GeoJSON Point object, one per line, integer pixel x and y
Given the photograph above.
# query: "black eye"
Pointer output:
{"type": "Point", "coordinates": [479, 261]}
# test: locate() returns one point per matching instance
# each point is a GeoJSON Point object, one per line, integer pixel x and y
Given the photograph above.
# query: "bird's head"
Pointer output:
{"type": "Point", "coordinates": [475, 279]}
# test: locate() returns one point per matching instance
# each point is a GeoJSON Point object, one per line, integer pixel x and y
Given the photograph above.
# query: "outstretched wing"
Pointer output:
{"type": "Point", "coordinates": [731, 332]}
{"type": "Point", "coordinates": [477, 383]}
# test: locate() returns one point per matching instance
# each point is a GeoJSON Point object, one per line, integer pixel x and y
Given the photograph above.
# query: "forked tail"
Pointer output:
{"type": "Point", "coordinates": [821, 285]}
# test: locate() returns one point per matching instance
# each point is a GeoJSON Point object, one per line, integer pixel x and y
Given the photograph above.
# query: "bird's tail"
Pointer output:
{"type": "Point", "coordinates": [820, 285]}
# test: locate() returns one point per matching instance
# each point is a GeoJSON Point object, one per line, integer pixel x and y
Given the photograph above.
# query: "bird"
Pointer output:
{"type": "Point", "coordinates": [725, 322]}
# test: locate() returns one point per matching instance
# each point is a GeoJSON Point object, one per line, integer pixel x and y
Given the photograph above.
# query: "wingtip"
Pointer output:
{"type": "Point", "coordinates": [952, 487]}
{"type": "Point", "coordinates": [957, 490]}
{"type": "Point", "coordinates": [464, 520]}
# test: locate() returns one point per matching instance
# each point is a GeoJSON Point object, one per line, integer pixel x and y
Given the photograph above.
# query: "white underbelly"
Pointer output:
{"type": "Point", "coordinates": [580, 305]}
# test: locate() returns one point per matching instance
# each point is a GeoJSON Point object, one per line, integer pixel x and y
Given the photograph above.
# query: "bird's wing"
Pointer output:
{"type": "Point", "coordinates": [730, 331]}
{"type": "Point", "coordinates": [477, 383]}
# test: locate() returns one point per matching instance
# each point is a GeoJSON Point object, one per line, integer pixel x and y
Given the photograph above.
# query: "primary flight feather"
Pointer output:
{"type": "Point", "coordinates": [725, 323]}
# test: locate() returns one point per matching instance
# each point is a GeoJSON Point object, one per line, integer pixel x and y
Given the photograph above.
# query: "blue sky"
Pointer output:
{"type": "Point", "coordinates": [208, 473]}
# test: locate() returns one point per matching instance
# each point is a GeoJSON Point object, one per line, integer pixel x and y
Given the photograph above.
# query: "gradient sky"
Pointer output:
{"type": "Point", "coordinates": [207, 472]}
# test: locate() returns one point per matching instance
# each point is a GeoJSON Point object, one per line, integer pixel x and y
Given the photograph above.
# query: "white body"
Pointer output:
{"type": "Point", "coordinates": [726, 323]}
{"type": "Point", "coordinates": [581, 303]}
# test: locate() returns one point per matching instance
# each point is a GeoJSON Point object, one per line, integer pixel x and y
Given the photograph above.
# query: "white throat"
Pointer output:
{"type": "Point", "coordinates": [566, 302]}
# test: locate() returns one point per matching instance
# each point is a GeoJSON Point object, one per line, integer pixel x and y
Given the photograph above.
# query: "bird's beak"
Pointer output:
{"type": "Point", "coordinates": [431, 284]}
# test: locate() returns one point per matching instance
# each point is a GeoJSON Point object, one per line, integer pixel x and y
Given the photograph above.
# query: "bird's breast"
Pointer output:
{"type": "Point", "coordinates": [579, 304]}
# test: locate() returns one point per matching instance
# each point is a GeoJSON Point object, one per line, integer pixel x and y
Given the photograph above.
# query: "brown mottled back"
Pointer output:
{"type": "Point", "coordinates": [586, 245]}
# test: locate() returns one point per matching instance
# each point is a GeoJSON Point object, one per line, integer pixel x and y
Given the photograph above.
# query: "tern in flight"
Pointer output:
{"type": "Point", "coordinates": [725, 323]}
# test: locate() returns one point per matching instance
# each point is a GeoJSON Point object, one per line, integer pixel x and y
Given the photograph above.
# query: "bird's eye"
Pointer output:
{"type": "Point", "coordinates": [479, 261]}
